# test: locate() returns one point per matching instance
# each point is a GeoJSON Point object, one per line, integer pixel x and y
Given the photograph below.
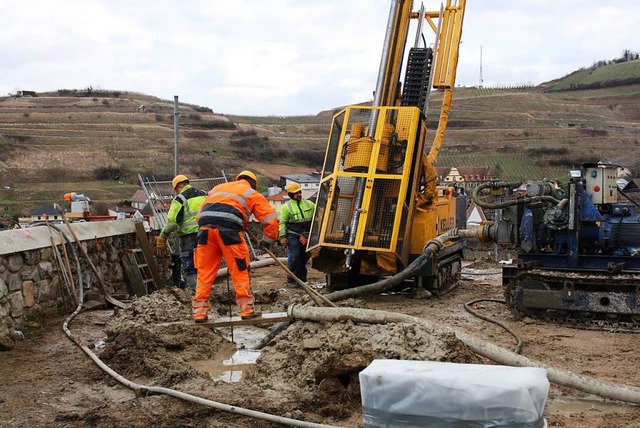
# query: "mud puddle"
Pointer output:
{"type": "Point", "coordinates": [230, 364]}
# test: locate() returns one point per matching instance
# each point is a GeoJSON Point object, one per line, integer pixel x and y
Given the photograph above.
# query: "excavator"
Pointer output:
{"type": "Point", "coordinates": [379, 203]}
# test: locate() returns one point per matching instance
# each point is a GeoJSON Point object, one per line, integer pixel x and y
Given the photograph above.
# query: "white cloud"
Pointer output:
{"type": "Point", "coordinates": [285, 56]}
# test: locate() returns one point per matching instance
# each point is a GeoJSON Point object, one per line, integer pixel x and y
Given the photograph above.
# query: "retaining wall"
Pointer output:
{"type": "Point", "coordinates": [31, 282]}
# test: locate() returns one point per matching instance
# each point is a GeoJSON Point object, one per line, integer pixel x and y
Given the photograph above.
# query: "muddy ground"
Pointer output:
{"type": "Point", "coordinates": [308, 372]}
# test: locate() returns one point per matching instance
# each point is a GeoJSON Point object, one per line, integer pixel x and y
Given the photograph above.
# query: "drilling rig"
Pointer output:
{"type": "Point", "coordinates": [379, 203]}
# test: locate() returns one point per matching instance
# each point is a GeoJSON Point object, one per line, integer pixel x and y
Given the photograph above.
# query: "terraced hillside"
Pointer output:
{"type": "Point", "coordinates": [535, 134]}
{"type": "Point", "coordinates": [97, 143]}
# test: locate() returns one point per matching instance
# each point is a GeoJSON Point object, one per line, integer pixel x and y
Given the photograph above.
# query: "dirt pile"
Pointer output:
{"type": "Point", "coordinates": [319, 363]}
{"type": "Point", "coordinates": [310, 368]}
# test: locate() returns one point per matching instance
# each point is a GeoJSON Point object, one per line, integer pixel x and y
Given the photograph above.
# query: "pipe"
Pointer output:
{"type": "Point", "coordinates": [431, 248]}
{"type": "Point", "coordinates": [253, 265]}
{"type": "Point", "coordinates": [140, 390]}
{"type": "Point", "coordinates": [630, 394]}
{"type": "Point", "coordinates": [526, 200]}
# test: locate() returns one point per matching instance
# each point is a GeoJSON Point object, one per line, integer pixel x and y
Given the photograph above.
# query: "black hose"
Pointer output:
{"type": "Point", "coordinates": [467, 307]}
{"type": "Point", "coordinates": [526, 200]}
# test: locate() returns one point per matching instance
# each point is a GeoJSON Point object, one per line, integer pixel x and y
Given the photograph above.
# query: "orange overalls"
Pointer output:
{"type": "Point", "coordinates": [222, 219]}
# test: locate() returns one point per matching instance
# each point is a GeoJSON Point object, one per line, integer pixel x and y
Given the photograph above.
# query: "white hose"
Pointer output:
{"type": "Point", "coordinates": [140, 390]}
{"type": "Point", "coordinates": [630, 394]}
{"type": "Point", "coordinates": [253, 265]}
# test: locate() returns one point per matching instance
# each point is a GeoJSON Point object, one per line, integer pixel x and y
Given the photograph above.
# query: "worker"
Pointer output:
{"type": "Point", "coordinates": [182, 218]}
{"type": "Point", "coordinates": [222, 219]}
{"type": "Point", "coordinates": [294, 227]}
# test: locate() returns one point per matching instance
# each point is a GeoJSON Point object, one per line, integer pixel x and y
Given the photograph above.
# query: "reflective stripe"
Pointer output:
{"type": "Point", "coordinates": [217, 214]}
{"type": "Point", "coordinates": [304, 220]}
{"type": "Point", "coordinates": [240, 199]}
{"type": "Point", "coordinates": [199, 304]}
{"type": "Point", "coordinates": [268, 219]}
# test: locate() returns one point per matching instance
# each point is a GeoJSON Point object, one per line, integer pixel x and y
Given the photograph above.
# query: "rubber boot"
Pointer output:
{"type": "Point", "coordinates": [191, 281]}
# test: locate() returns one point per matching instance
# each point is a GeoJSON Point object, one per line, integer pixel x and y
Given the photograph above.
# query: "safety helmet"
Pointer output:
{"type": "Point", "coordinates": [248, 174]}
{"type": "Point", "coordinates": [177, 180]}
{"type": "Point", "coordinates": [293, 188]}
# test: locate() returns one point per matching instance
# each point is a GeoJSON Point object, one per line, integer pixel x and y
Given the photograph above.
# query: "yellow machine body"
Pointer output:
{"type": "Point", "coordinates": [379, 202]}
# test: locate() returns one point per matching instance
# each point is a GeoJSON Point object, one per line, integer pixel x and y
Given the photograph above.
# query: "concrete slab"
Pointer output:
{"type": "Point", "coordinates": [17, 240]}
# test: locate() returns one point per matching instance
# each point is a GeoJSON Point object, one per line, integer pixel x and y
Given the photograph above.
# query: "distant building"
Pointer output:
{"type": "Point", "coordinates": [310, 183]}
{"type": "Point", "coordinates": [278, 200]}
{"type": "Point", "coordinates": [468, 177]}
{"type": "Point", "coordinates": [140, 202]}
{"type": "Point", "coordinates": [44, 212]}
{"type": "Point", "coordinates": [26, 94]}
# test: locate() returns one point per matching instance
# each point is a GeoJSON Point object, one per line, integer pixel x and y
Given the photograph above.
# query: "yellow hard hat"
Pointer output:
{"type": "Point", "coordinates": [248, 174]}
{"type": "Point", "coordinates": [293, 188]}
{"type": "Point", "coordinates": [177, 180]}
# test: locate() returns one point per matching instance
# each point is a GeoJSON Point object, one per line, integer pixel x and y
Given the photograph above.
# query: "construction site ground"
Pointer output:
{"type": "Point", "coordinates": [308, 372]}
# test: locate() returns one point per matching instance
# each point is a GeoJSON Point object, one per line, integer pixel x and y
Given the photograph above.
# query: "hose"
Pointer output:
{"type": "Point", "coordinates": [630, 394]}
{"type": "Point", "coordinates": [140, 389]}
{"type": "Point", "coordinates": [432, 247]}
{"type": "Point", "coordinates": [467, 307]}
{"type": "Point", "coordinates": [526, 200]}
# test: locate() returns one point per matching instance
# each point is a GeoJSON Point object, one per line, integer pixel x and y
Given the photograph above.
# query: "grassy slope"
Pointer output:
{"type": "Point", "coordinates": [600, 76]}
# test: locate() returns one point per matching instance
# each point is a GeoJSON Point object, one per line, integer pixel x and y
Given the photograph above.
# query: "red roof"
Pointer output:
{"type": "Point", "coordinates": [279, 197]}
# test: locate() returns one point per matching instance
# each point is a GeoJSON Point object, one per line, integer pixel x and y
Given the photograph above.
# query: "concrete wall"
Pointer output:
{"type": "Point", "coordinates": [31, 283]}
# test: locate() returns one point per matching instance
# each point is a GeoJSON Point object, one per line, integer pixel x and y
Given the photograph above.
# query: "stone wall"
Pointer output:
{"type": "Point", "coordinates": [31, 282]}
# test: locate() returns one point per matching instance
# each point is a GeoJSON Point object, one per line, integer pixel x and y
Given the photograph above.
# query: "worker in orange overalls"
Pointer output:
{"type": "Point", "coordinates": [222, 219]}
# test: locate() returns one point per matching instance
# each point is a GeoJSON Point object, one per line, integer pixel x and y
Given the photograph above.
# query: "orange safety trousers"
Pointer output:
{"type": "Point", "coordinates": [213, 244]}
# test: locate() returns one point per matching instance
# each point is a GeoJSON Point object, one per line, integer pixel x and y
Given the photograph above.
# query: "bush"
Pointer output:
{"type": "Point", "coordinates": [546, 151]}
{"type": "Point", "coordinates": [241, 133]}
{"type": "Point", "coordinates": [309, 157]}
{"type": "Point", "coordinates": [250, 141]}
{"type": "Point", "coordinates": [110, 172]}
{"type": "Point", "coordinates": [159, 117]}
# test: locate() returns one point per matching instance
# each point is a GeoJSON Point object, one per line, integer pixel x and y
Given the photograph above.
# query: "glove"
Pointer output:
{"type": "Point", "coordinates": [284, 241]}
{"type": "Point", "coordinates": [264, 244]}
{"type": "Point", "coordinates": [161, 246]}
{"type": "Point", "coordinates": [303, 240]}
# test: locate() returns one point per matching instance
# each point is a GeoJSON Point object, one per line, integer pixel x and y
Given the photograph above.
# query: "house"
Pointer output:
{"type": "Point", "coordinates": [278, 200]}
{"type": "Point", "coordinates": [139, 201]}
{"type": "Point", "coordinates": [44, 212]}
{"type": "Point", "coordinates": [468, 177]}
{"type": "Point", "coordinates": [26, 93]}
{"type": "Point", "coordinates": [310, 183]}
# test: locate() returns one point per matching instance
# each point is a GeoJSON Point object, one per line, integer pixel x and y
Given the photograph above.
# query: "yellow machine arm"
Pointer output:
{"type": "Point", "coordinates": [378, 202]}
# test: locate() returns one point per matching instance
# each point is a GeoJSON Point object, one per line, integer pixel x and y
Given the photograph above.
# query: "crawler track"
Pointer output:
{"type": "Point", "coordinates": [594, 301]}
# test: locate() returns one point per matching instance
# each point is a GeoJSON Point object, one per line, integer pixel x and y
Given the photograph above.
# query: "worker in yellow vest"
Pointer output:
{"type": "Point", "coordinates": [181, 218]}
{"type": "Point", "coordinates": [294, 226]}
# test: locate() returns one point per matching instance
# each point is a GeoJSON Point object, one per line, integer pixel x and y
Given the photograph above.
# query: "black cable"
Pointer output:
{"type": "Point", "coordinates": [467, 307]}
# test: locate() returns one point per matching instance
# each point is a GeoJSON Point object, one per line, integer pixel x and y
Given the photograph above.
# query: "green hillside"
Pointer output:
{"type": "Point", "coordinates": [625, 73]}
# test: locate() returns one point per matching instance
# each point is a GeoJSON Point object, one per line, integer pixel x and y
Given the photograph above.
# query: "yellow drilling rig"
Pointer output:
{"type": "Point", "coordinates": [379, 202]}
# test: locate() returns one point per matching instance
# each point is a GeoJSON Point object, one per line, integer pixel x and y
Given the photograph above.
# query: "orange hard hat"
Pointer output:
{"type": "Point", "coordinates": [247, 174]}
{"type": "Point", "coordinates": [293, 188]}
{"type": "Point", "coordinates": [177, 180]}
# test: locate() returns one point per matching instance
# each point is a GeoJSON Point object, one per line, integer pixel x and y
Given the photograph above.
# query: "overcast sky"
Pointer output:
{"type": "Point", "coordinates": [286, 57]}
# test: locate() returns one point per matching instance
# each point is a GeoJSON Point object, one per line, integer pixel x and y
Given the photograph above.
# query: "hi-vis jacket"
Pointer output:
{"type": "Point", "coordinates": [230, 205]}
{"type": "Point", "coordinates": [182, 212]}
{"type": "Point", "coordinates": [295, 217]}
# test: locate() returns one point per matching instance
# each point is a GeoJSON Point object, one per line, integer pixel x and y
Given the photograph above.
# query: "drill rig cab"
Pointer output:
{"type": "Point", "coordinates": [379, 203]}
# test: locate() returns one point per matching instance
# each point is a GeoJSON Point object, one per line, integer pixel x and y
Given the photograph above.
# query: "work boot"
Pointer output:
{"type": "Point", "coordinates": [292, 284]}
{"type": "Point", "coordinates": [254, 314]}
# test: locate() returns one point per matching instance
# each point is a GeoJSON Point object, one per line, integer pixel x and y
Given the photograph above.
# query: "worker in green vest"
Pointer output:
{"type": "Point", "coordinates": [181, 218]}
{"type": "Point", "coordinates": [294, 226]}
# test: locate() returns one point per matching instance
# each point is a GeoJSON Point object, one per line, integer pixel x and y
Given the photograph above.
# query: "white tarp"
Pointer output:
{"type": "Point", "coordinates": [397, 393]}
